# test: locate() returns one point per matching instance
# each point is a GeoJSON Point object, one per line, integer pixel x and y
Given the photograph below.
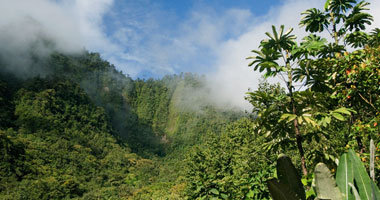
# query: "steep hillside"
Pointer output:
{"type": "Point", "coordinates": [146, 113]}
{"type": "Point", "coordinates": [59, 145]}
{"type": "Point", "coordinates": [82, 129]}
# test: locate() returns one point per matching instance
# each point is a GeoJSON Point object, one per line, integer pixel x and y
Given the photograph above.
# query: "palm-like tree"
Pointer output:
{"type": "Point", "coordinates": [350, 13]}
{"type": "Point", "coordinates": [280, 55]}
{"type": "Point", "coordinates": [275, 56]}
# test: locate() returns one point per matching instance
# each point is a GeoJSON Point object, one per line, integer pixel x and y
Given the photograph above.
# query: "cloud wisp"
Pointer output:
{"type": "Point", "coordinates": [38, 27]}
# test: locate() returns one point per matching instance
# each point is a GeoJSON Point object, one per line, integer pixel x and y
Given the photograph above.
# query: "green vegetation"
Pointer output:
{"type": "Point", "coordinates": [232, 166]}
{"type": "Point", "coordinates": [350, 170]}
{"type": "Point", "coordinates": [86, 131]}
{"type": "Point", "coordinates": [83, 130]}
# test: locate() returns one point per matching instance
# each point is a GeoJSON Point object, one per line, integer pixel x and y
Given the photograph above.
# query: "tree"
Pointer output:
{"type": "Point", "coordinates": [278, 56]}
{"type": "Point", "coordinates": [343, 19]}
{"type": "Point", "coordinates": [350, 15]}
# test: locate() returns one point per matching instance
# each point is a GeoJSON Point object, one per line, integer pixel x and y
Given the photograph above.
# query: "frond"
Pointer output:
{"type": "Point", "coordinates": [341, 6]}
{"type": "Point", "coordinates": [357, 39]}
{"type": "Point", "coordinates": [314, 20]}
{"type": "Point", "coordinates": [358, 21]}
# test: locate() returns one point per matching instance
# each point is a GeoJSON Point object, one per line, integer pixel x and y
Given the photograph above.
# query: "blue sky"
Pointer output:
{"type": "Point", "coordinates": [139, 25]}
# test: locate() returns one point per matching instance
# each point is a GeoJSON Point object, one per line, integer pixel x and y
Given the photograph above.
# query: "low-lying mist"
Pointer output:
{"type": "Point", "coordinates": [30, 31]}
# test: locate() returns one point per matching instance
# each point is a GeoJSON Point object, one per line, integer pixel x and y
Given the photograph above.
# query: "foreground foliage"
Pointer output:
{"type": "Point", "coordinates": [352, 180]}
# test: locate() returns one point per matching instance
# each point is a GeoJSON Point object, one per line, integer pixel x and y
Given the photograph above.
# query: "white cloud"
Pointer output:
{"type": "Point", "coordinates": [233, 77]}
{"type": "Point", "coordinates": [24, 21]}
{"type": "Point", "coordinates": [90, 15]}
{"type": "Point", "coordinates": [39, 26]}
{"type": "Point", "coordinates": [70, 25]}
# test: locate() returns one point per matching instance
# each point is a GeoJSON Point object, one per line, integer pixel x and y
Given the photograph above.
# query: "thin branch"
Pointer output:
{"type": "Point", "coordinates": [327, 28]}
{"type": "Point", "coordinates": [368, 102]}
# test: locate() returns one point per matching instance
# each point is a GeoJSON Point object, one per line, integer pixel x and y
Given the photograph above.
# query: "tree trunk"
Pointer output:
{"type": "Point", "coordinates": [295, 123]}
{"type": "Point", "coordinates": [299, 141]}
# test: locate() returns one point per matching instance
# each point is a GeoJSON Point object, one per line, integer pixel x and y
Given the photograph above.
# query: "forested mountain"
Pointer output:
{"type": "Point", "coordinates": [85, 130]}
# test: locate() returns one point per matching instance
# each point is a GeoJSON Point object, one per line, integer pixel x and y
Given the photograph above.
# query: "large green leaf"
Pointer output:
{"type": "Point", "coordinates": [361, 177]}
{"type": "Point", "coordinates": [345, 175]}
{"type": "Point", "coordinates": [375, 191]}
{"type": "Point", "coordinates": [357, 39]}
{"type": "Point", "coordinates": [325, 185]}
{"type": "Point", "coordinates": [288, 175]}
{"type": "Point", "coordinates": [281, 191]}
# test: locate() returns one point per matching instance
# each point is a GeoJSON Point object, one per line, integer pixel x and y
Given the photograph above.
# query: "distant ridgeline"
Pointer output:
{"type": "Point", "coordinates": [147, 114]}
{"type": "Point", "coordinates": [82, 129]}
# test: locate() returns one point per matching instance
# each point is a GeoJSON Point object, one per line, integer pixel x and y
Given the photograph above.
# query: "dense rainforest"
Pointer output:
{"type": "Point", "coordinates": [85, 130]}
{"type": "Point", "coordinates": [74, 127]}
